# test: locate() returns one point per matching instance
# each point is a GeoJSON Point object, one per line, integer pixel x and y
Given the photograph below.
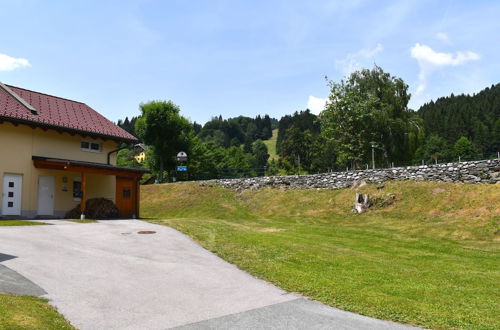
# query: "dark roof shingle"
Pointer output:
{"type": "Point", "coordinates": [59, 113]}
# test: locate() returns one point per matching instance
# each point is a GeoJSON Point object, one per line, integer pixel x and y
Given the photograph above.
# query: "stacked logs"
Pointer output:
{"type": "Point", "coordinates": [95, 208]}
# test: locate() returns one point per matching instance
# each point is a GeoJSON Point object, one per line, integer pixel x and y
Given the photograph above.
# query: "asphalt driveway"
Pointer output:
{"type": "Point", "coordinates": [108, 276]}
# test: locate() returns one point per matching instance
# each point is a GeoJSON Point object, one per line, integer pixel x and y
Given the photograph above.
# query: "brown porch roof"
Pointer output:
{"type": "Point", "coordinates": [86, 167]}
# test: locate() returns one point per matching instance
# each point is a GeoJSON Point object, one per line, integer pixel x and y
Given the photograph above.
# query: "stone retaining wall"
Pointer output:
{"type": "Point", "coordinates": [485, 171]}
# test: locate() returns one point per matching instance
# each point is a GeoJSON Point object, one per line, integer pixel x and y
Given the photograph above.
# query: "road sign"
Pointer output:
{"type": "Point", "coordinates": [182, 156]}
{"type": "Point", "coordinates": [182, 168]}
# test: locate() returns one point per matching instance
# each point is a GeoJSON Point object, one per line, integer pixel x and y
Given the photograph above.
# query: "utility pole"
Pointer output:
{"type": "Point", "coordinates": [373, 153]}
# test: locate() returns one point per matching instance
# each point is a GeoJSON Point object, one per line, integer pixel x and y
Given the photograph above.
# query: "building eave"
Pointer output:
{"type": "Point", "coordinates": [69, 130]}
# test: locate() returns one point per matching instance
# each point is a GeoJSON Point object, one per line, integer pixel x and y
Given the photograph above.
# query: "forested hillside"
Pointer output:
{"type": "Point", "coordinates": [303, 120]}
{"type": "Point", "coordinates": [366, 123]}
{"type": "Point", "coordinates": [128, 125]}
{"type": "Point", "coordinates": [236, 131]}
{"type": "Point", "coordinates": [476, 117]}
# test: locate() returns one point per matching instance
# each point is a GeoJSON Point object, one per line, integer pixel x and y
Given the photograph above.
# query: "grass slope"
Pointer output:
{"type": "Point", "coordinates": [23, 312]}
{"type": "Point", "coordinates": [20, 223]}
{"type": "Point", "coordinates": [271, 145]}
{"type": "Point", "coordinates": [430, 259]}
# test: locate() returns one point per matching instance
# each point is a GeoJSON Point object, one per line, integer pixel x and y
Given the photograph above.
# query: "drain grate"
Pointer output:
{"type": "Point", "coordinates": [146, 232]}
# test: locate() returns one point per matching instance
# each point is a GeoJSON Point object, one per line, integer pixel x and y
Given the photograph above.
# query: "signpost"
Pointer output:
{"type": "Point", "coordinates": [374, 144]}
{"type": "Point", "coordinates": [182, 158]}
{"type": "Point", "coordinates": [182, 168]}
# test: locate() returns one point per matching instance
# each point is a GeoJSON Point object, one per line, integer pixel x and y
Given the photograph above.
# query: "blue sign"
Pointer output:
{"type": "Point", "coordinates": [182, 168]}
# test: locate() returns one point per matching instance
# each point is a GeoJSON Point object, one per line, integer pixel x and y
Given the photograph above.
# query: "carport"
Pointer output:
{"type": "Point", "coordinates": [127, 192]}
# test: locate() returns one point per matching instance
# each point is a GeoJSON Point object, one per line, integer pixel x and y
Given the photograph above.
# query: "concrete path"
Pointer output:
{"type": "Point", "coordinates": [14, 283]}
{"type": "Point", "coordinates": [108, 276]}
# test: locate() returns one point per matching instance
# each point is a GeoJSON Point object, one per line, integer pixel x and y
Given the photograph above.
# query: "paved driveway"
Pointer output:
{"type": "Point", "coordinates": [107, 276]}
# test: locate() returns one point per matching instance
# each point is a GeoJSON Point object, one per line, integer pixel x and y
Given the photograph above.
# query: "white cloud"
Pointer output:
{"type": "Point", "coordinates": [430, 60]}
{"type": "Point", "coordinates": [316, 104]}
{"type": "Point", "coordinates": [8, 63]}
{"type": "Point", "coordinates": [425, 54]}
{"type": "Point", "coordinates": [353, 62]}
{"type": "Point", "coordinates": [367, 53]}
{"type": "Point", "coordinates": [441, 36]}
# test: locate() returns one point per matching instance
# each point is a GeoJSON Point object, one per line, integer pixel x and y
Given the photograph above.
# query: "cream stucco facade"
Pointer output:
{"type": "Point", "coordinates": [19, 143]}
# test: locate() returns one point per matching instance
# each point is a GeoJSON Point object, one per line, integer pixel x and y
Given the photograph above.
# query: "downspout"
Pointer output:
{"type": "Point", "coordinates": [115, 150]}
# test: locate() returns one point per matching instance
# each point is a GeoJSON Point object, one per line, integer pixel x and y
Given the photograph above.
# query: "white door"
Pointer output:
{"type": "Point", "coordinates": [12, 193]}
{"type": "Point", "coordinates": [46, 195]}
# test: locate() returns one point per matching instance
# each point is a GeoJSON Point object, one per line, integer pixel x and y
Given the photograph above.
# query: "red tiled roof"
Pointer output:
{"type": "Point", "coordinates": [56, 112]}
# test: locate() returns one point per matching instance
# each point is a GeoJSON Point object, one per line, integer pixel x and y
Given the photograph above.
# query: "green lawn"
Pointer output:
{"type": "Point", "coordinates": [431, 259]}
{"type": "Point", "coordinates": [23, 312]}
{"type": "Point", "coordinates": [271, 145]}
{"type": "Point", "coordinates": [20, 223]}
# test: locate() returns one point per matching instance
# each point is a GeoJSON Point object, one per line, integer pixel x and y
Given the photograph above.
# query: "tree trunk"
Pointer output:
{"type": "Point", "coordinates": [386, 156]}
{"type": "Point", "coordinates": [361, 203]}
{"type": "Point", "coordinates": [161, 169]}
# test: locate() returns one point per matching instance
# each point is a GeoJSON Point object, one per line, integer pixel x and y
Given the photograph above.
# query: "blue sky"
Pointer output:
{"type": "Point", "coordinates": [242, 57]}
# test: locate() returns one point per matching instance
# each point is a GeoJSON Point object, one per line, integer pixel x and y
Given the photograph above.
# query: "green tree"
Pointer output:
{"type": "Point", "coordinates": [235, 163]}
{"type": "Point", "coordinates": [436, 148]}
{"type": "Point", "coordinates": [496, 136]}
{"type": "Point", "coordinates": [464, 149]}
{"type": "Point", "coordinates": [235, 142]}
{"type": "Point", "coordinates": [473, 116]}
{"type": "Point", "coordinates": [247, 146]}
{"type": "Point", "coordinates": [345, 124]}
{"type": "Point", "coordinates": [259, 151]}
{"type": "Point", "coordinates": [481, 138]}
{"type": "Point", "coordinates": [296, 147]}
{"type": "Point", "coordinates": [324, 156]}
{"type": "Point", "coordinates": [203, 159]}
{"type": "Point", "coordinates": [371, 105]}
{"type": "Point", "coordinates": [162, 127]}
{"type": "Point", "coordinates": [125, 157]}
{"type": "Point", "coordinates": [272, 169]}
{"type": "Point", "coordinates": [303, 120]}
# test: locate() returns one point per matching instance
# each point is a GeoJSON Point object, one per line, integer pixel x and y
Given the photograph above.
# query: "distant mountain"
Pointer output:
{"type": "Point", "coordinates": [476, 117]}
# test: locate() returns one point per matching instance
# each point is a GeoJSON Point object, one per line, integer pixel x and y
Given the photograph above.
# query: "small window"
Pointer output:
{"type": "Point", "coordinates": [11, 194]}
{"type": "Point", "coordinates": [90, 146]}
{"type": "Point", "coordinates": [11, 184]}
{"type": "Point", "coordinates": [77, 189]}
{"type": "Point", "coordinates": [10, 204]}
{"type": "Point", "coordinates": [126, 193]}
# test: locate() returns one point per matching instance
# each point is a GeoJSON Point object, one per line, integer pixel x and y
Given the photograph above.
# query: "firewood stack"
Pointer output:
{"type": "Point", "coordinates": [95, 208]}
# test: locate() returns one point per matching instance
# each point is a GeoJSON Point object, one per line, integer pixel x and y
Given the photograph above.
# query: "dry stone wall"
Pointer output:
{"type": "Point", "coordinates": [485, 171]}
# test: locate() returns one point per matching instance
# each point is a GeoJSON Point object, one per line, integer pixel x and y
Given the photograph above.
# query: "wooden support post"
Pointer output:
{"type": "Point", "coordinates": [84, 196]}
{"type": "Point", "coordinates": [137, 196]}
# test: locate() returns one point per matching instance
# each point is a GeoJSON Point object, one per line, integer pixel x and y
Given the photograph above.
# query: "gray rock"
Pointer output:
{"type": "Point", "coordinates": [467, 172]}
